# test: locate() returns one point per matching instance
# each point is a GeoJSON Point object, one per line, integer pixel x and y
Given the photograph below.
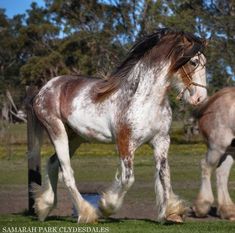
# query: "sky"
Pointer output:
{"type": "Point", "coordinates": [14, 7]}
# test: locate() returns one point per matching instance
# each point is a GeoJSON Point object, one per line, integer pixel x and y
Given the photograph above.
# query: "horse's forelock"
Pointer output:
{"type": "Point", "coordinates": [184, 51]}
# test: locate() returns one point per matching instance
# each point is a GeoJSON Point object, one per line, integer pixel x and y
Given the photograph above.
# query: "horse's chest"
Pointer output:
{"type": "Point", "coordinates": [150, 120]}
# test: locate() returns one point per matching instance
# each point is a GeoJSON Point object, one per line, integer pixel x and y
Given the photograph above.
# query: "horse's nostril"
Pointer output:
{"type": "Point", "coordinates": [198, 99]}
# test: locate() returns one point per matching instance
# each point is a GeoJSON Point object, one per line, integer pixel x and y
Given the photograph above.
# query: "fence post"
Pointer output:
{"type": "Point", "coordinates": [33, 146]}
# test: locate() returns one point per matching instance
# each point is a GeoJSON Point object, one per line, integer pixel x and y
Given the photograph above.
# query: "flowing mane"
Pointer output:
{"type": "Point", "coordinates": [177, 46]}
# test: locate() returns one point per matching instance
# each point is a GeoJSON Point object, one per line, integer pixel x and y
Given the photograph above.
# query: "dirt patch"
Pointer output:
{"type": "Point", "coordinates": [13, 199]}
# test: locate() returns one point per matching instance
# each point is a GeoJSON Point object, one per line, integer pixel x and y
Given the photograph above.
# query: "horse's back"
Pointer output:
{"type": "Point", "coordinates": [55, 97]}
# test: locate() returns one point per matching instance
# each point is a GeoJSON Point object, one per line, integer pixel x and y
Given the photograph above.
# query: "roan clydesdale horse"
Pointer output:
{"type": "Point", "coordinates": [129, 108]}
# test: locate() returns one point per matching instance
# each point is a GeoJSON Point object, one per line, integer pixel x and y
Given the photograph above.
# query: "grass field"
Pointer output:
{"type": "Point", "coordinates": [97, 163]}
{"type": "Point", "coordinates": [123, 226]}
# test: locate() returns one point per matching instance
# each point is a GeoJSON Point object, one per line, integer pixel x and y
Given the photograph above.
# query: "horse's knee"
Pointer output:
{"type": "Point", "coordinates": [206, 168]}
{"type": "Point", "coordinates": [127, 182]}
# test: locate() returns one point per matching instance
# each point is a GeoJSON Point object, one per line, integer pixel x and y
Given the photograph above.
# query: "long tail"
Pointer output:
{"type": "Point", "coordinates": [35, 135]}
{"type": "Point", "coordinates": [34, 127]}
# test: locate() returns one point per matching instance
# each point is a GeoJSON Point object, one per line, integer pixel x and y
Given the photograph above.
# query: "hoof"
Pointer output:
{"type": "Point", "coordinates": [87, 214]}
{"type": "Point", "coordinates": [227, 212]}
{"type": "Point", "coordinates": [42, 209]}
{"type": "Point", "coordinates": [88, 219]}
{"type": "Point", "coordinates": [177, 210]}
{"type": "Point", "coordinates": [174, 218]}
{"type": "Point", "coordinates": [106, 209]}
{"type": "Point", "coordinates": [201, 208]}
{"type": "Point", "coordinates": [44, 202]}
{"type": "Point", "coordinates": [109, 204]}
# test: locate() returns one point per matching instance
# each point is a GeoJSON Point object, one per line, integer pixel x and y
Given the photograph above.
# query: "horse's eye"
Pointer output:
{"type": "Point", "coordinates": [193, 63]}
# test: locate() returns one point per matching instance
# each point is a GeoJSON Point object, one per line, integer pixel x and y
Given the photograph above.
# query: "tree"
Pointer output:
{"type": "Point", "coordinates": [220, 24]}
{"type": "Point", "coordinates": [10, 60]}
{"type": "Point", "coordinates": [92, 36]}
{"type": "Point", "coordinates": [39, 39]}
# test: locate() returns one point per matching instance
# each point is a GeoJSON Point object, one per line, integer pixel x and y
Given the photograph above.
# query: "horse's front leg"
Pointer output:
{"type": "Point", "coordinates": [111, 200]}
{"type": "Point", "coordinates": [169, 207]}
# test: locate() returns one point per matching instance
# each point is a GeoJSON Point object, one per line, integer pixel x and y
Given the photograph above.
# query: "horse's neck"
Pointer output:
{"type": "Point", "coordinates": [145, 82]}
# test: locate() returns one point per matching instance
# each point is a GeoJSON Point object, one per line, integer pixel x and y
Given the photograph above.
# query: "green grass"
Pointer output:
{"type": "Point", "coordinates": [62, 224]}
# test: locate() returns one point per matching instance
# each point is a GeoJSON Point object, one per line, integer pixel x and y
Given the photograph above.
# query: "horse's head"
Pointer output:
{"type": "Point", "coordinates": [188, 69]}
{"type": "Point", "coordinates": [192, 80]}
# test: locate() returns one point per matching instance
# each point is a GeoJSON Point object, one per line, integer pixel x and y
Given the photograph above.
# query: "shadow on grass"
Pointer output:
{"type": "Point", "coordinates": [181, 141]}
{"type": "Point", "coordinates": [70, 219]}
{"type": "Point", "coordinates": [212, 215]}
{"type": "Point", "coordinates": [122, 220]}
{"type": "Point", "coordinates": [119, 220]}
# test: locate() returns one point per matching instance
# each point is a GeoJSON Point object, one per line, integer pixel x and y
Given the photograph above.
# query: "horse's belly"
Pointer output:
{"type": "Point", "coordinates": [91, 127]}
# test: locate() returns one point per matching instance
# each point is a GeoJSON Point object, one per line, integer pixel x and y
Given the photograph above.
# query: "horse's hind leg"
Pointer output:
{"type": "Point", "coordinates": [59, 138]}
{"type": "Point", "coordinates": [226, 208]}
{"type": "Point", "coordinates": [205, 198]}
{"type": "Point", "coordinates": [46, 197]}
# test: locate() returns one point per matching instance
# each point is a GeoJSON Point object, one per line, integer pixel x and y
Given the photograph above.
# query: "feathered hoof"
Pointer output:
{"type": "Point", "coordinates": [174, 218]}
{"type": "Point", "coordinates": [227, 212]}
{"type": "Point", "coordinates": [88, 214]}
{"type": "Point", "coordinates": [201, 208]}
{"type": "Point", "coordinates": [42, 209]}
{"type": "Point", "coordinates": [106, 209]}
{"type": "Point", "coordinates": [176, 211]}
{"type": "Point", "coordinates": [88, 219]}
{"type": "Point", "coordinates": [44, 201]}
{"type": "Point", "coordinates": [109, 204]}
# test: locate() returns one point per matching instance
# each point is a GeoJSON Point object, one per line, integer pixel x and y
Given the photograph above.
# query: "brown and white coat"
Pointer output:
{"type": "Point", "coordinates": [129, 108]}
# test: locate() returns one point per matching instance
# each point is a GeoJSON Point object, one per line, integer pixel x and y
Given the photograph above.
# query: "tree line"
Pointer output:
{"type": "Point", "coordinates": [92, 37]}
